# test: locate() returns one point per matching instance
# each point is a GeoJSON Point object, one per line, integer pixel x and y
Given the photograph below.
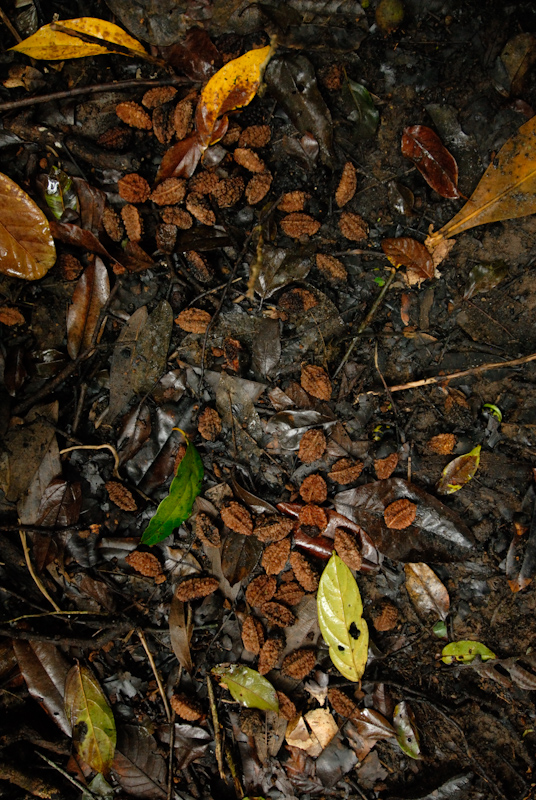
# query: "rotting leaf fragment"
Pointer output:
{"type": "Point", "coordinates": [437, 166]}
{"type": "Point", "coordinates": [91, 719]}
{"type": "Point", "coordinates": [459, 472]}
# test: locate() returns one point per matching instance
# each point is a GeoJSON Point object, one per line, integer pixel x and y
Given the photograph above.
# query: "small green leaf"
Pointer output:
{"type": "Point", "coordinates": [440, 629]}
{"type": "Point", "coordinates": [248, 687]}
{"type": "Point", "coordinates": [465, 651]}
{"type": "Point", "coordinates": [177, 506]}
{"type": "Point", "coordinates": [364, 113]}
{"type": "Point", "coordinates": [495, 410]}
{"type": "Point", "coordinates": [459, 472]}
{"type": "Point", "coordinates": [406, 731]}
{"type": "Point", "coordinates": [340, 618]}
{"type": "Point", "coordinates": [91, 717]}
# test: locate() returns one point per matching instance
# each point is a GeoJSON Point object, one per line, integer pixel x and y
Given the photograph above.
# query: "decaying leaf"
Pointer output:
{"type": "Point", "coordinates": [483, 278]}
{"type": "Point", "coordinates": [83, 316]}
{"type": "Point", "coordinates": [412, 254]}
{"type": "Point", "coordinates": [437, 166]}
{"type": "Point", "coordinates": [427, 593]}
{"type": "Point", "coordinates": [521, 556]}
{"type": "Point", "coordinates": [406, 731]}
{"type": "Point", "coordinates": [364, 114]}
{"type": "Point", "coordinates": [340, 618]}
{"type": "Point", "coordinates": [465, 651]}
{"type": "Point", "coordinates": [459, 472]}
{"type": "Point", "coordinates": [53, 45]}
{"type": "Point", "coordinates": [312, 732]}
{"type": "Point", "coordinates": [137, 766]}
{"type": "Point", "coordinates": [239, 555]}
{"type": "Point", "coordinates": [60, 504]}
{"type": "Point", "coordinates": [26, 245]}
{"type": "Point", "coordinates": [91, 718]}
{"type": "Point", "coordinates": [247, 686]}
{"type": "Point", "coordinates": [45, 669]}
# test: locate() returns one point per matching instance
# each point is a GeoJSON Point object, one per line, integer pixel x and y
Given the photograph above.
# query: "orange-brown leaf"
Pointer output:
{"type": "Point", "coordinates": [411, 254]}
{"type": "Point", "coordinates": [180, 160]}
{"type": "Point", "coordinates": [90, 295]}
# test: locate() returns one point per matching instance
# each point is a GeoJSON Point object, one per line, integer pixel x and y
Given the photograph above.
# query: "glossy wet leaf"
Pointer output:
{"type": "Point", "coordinates": [364, 114]}
{"type": "Point", "coordinates": [248, 687]}
{"type": "Point", "coordinates": [372, 725]}
{"type": "Point", "coordinates": [76, 236]}
{"type": "Point", "coordinates": [239, 556]}
{"type": "Point", "coordinates": [26, 245]}
{"type": "Point", "coordinates": [92, 720]}
{"type": "Point", "coordinates": [340, 616]}
{"type": "Point", "coordinates": [159, 22]}
{"type": "Point", "coordinates": [411, 254]}
{"type": "Point", "coordinates": [427, 593]}
{"type": "Point", "coordinates": [181, 160]}
{"type": "Point", "coordinates": [459, 472]}
{"type": "Point", "coordinates": [54, 45]}
{"type": "Point", "coordinates": [406, 731]}
{"type": "Point", "coordinates": [137, 766]}
{"type": "Point", "coordinates": [98, 787]}
{"type": "Point", "coordinates": [44, 668]}
{"type": "Point", "coordinates": [180, 634]}
{"type": "Point", "coordinates": [521, 556]}
{"type": "Point", "coordinates": [483, 278]}
{"type": "Point", "coordinates": [177, 506]}
{"type": "Point", "coordinates": [279, 267]}
{"type": "Point", "coordinates": [58, 192]}
{"type": "Point", "coordinates": [465, 652]}
{"type": "Point", "coordinates": [195, 56]}
{"type": "Point", "coordinates": [60, 504]}
{"type": "Point", "coordinates": [437, 166]}
{"type": "Point", "coordinates": [440, 630]}
{"type": "Point", "coordinates": [84, 314]}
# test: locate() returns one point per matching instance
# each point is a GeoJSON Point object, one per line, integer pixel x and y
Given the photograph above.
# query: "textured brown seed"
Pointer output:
{"type": "Point", "coordinates": [384, 467]}
{"type": "Point", "coordinates": [233, 134]}
{"type": "Point", "coordinates": [253, 635]}
{"type": "Point", "coordinates": [186, 707]}
{"type": "Point", "coordinates": [312, 446]}
{"type": "Point", "coordinates": [163, 126]}
{"type": "Point", "coordinates": [209, 424]}
{"type": "Point", "coordinates": [293, 201]}
{"type": "Point", "coordinates": [133, 188]}
{"type": "Point", "coordinates": [331, 268]}
{"type": "Point", "coordinates": [193, 320]}
{"type": "Point", "coordinates": [299, 664]}
{"type": "Point", "coordinates": [298, 224]}
{"type": "Point", "coordinates": [275, 557]}
{"type": "Point", "coordinates": [289, 593]}
{"type": "Point", "coordinates": [120, 495]}
{"type": "Point", "coordinates": [158, 96]}
{"type": "Point", "coordinates": [181, 452]}
{"type": "Point", "coordinates": [272, 528]}
{"type": "Point", "coordinates": [305, 573]}
{"type": "Point", "coordinates": [237, 518]}
{"type": "Point", "coordinates": [347, 185]}
{"type": "Point", "coordinates": [146, 564]}
{"type": "Point", "coordinates": [297, 300]}
{"type": "Point", "coordinates": [341, 703]}
{"type": "Point", "coordinates": [169, 192]}
{"type": "Point", "coordinates": [258, 187]}
{"type": "Point", "coordinates": [384, 617]}
{"type": "Point", "coordinates": [199, 266]}
{"type": "Point", "coordinates": [287, 709]}
{"type": "Point", "coordinates": [11, 316]}
{"type": "Point", "coordinates": [443, 443]}
{"type": "Point", "coordinates": [313, 516]}
{"type": "Point", "coordinates": [183, 118]}
{"type": "Point", "coordinates": [353, 226]}
{"type": "Point", "coordinates": [134, 115]}
{"type": "Point", "coordinates": [314, 489]}
{"type": "Point", "coordinates": [400, 514]}
{"type": "Point", "coordinates": [204, 183]}
{"type": "Point", "coordinates": [316, 382]}
{"type": "Point", "coordinates": [166, 236]}
{"type": "Point", "coordinates": [70, 266]}
{"type": "Point", "coordinates": [278, 614]}
{"type": "Point", "coordinates": [248, 159]}
{"type": "Point", "coordinates": [345, 471]}
{"type": "Point", "coordinates": [228, 191]}
{"type": "Point", "coordinates": [195, 588]}
{"type": "Point", "coordinates": [177, 216]}
{"type": "Point", "coordinates": [270, 654]}
{"type": "Point", "coordinates": [260, 590]}
{"type": "Point", "coordinates": [255, 136]}
{"type": "Point", "coordinates": [132, 222]}
{"type": "Point", "coordinates": [332, 77]}
{"type": "Point", "coordinates": [347, 548]}
{"type": "Point", "coordinates": [206, 530]}
{"type": "Point", "coordinates": [113, 224]}
{"type": "Point", "coordinates": [200, 209]}
{"type": "Point", "coordinates": [116, 138]}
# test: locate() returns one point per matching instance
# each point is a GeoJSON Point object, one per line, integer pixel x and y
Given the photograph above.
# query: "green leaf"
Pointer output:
{"type": "Point", "coordinates": [248, 687]}
{"type": "Point", "coordinates": [465, 651]}
{"type": "Point", "coordinates": [91, 717]}
{"type": "Point", "coordinates": [340, 617]}
{"type": "Point", "coordinates": [440, 629]}
{"type": "Point", "coordinates": [459, 472]}
{"type": "Point", "coordinates": [364, 114]}
{"type": "Point", "coordinates": [495, 411]}
{"type": "Point", "coordinates": [177, 506]}
{"type": "Point", "coordinates": [406, 731]}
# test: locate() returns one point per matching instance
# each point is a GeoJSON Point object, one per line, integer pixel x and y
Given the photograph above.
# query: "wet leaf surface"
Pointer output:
{"type": "Point", "coordinates": [437, 166]}
{"type": "Point", "coordinates": [239, 556]}
{"type": "Point", "coordinates": [406, 731]}
{"type": "Point", "coordinates": [60, 504]}
{"type": "Point", "coordinates": [137, 766]}
{"type": "Point", "coordinates": [427, 593]}
{"type": "Point", "coordinates": [180, 634]}
{"type": "Point", "coordinates": [247, 687]}
{"type": "Point", "coordinates": [45, 669]}
{"type": "Point", "coordinates": [159, 22]}
{"type": "Point", "coordinates": [411, 254]}
{"type": "Point", "coordinates": [465, 652]}
{"type": "Point", "coordinates": [521, 556]}
{"type": "Point", "coordinates": [91, 718]}
{"type": "Point", "coordinates": [459, 472]}
{"type": "Point", "coordinates": [84, 314]}
{"type": "Point", "coordinates": [363, 114]}
{"type": "Point", "coordinates": [483, 278]}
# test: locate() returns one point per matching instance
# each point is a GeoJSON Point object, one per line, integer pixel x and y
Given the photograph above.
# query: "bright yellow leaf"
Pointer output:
{"type": "Point", "coordinates": [54, 45]}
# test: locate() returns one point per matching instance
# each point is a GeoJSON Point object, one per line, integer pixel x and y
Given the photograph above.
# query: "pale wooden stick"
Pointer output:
{"type": "Point", "coordinates": [35, 576]}
{"type": "Point", "coordinates": [143, 640]}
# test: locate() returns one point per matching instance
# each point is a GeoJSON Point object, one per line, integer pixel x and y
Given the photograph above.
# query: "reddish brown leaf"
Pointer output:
{"type": "Point", "coordinates": [196, 56]}
{"type": "Point", "coordinates": [239, 556]}
{"type": "Point", "coordinates": [138, 767]}
{"type": "Point", "coordinates": [426, 591]}
{"type": "Point", "coordinates": [60, 504]}
{"type": "Point", "coordinates": [409, 253]}
{"type": "Point", "coordinates": [437, 166]}
{"type": "Point", "coordinates": [180, 160]}
{"type": "Point", "coordinates": [521, 557]}
{"type": "Point", "coordinates": [89, 297]}
{"type": "Point", "coordinates": [78, 237]}
{"type": "Point", "coordinates": [45, 669]}
{"type": "Point", "coordinates": [92, 203]}
{"type": "Point", "coordinates": [11, 316]}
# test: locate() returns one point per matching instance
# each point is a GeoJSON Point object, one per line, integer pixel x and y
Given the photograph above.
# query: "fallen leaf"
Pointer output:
{"type": "Point", "coordinates": [521, 556]}
{"type": "Point", "coordinates": [465, 652]}
{"type": "Point", "coordinates": [239, 556]}
{"type": "Point", "coordinates": [92, 721]}
{"type": "Point", "coordinates": [24, 450]}
{"type": "Point", "coordinates": [45, 669]}
{"type": "Point", "coordinates": [180, 634]}
{"type": "Point", "coordinates": [137, 766]}
{"type": "Point", "coordinates": [26, 245]}
{"type": "Point", "coordinates": [512, 66]}
{"type": "Point", "coordinates": [427, 593]}
{"type": "Point", "coordinates": [266, 350]}
{"type": "Point", "coordinates": [483, 278]}
{"type": "Point", "coordinates": [406, 731]}
{"type": "Point", "coordinates": [159, 22]}
{"type": "Point", "coordinates": [83, 315]}
{"type": "Point", "coordinates": [459, 472]}
{"type": "Point", "coordinates": [437, 166]}
{"type": "Point", "coordinates": [340, 618]}
{"type": "Point", "coordinates": [278, 267]}
{"type": "Point", "coordinates": [248, 687]}
{"type": "Point", "coordinates": [312, 732]}
{"type": "Point", "coordinates": [181, 160]}
{"type": "Point", "coordinates": [195, 56]}
{"type": "Point", "coordinates": [411, 254]}
{"type": "Point", "coordinates": [53, 45]}
{"type": "Point", "coordinates": [76, 236]}
{"type": "Point", "coordinates": [60, 504]}
{"type": "Point", "coordinates": [364, 114]}
{"type": "Point", "coordinates": [372, 725]}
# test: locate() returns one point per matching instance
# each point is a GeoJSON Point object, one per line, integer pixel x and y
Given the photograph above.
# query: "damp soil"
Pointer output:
{"type": "Point", "coordinates": [476, 724]}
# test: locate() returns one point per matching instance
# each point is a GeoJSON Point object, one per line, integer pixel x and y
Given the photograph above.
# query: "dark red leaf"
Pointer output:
{"type": "Point", "coordinates": [409, 253]}
{"type": "Point", "coordinates": [45, 669]}
{"type": "Point", "coordinates": [15, 372]}
{"type": "Point", "coordinates": [138, 767]}
{"type": "Point", "coordinates": [78, 237]}
{"type": "Point", "coordinates": [92, 202]}
{"type": "Point", "coordinates": [180, 160]}
{"type": "Point", "coordinates": [89, 297]}
{"type": "Point", "coordinates": [60, 504]}
{"type": "Point", "coordinates": [437, 166]}
{"type": "Point", "coordinates": [196, 56]}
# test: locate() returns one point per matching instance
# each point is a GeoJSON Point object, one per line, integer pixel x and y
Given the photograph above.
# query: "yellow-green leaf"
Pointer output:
{"type": "Point", "coordinates": [91, 717]}
{"type": "Point", "coordinates": [54, 45]}
{"type": "Point", "coordinates": [248, 687]}
{"type": "Point", "coordinates": [465, 651]}
{"type": "Point", "coordinates": [340, 617]}
{"type": "Point", "coordinates": [406, 731]}
{"type": "Point", "coordinates": [459, 472]}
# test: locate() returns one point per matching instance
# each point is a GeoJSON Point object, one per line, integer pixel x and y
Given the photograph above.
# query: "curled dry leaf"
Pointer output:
{"type": "Point", "coordinates": [89, 298]}
{"type": "Point", "coordinates": [427, 593]}
{"type": "Point", "coordinates": [437, 166]}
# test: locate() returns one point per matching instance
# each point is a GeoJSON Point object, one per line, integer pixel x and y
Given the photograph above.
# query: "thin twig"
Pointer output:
{"type": "Point", "coordinates": [234, 772]}
{"type": "Point", "coordinates": [35, 576]}
{"type": "Point", "coordinates": [515, 362]}
{"type": "Point", "coordinates": [171, 748]}
{"type": "Point", "coordinates": [216, 726]}
{"type": "Point", "coordinates": [97, 447]}
{"type": "Point", "coordinates": [53, 614]}
{"type": "Point", "coordinates": [14, 32]}
{"type": "Point", "coordinates": [380, 373]}
{"type": "Point", "coordinates": [80, 786]}
{"type": "Point", "coordinates": [143, 640]}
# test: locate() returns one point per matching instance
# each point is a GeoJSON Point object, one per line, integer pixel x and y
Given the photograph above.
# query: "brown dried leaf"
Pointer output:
{"type": "Point", "coordinates": [316, 382]}
{"type": "Point", "coordinates": [180, 634]}
{"type": "Point", "coordinates": [11, 316]}
{"type": "Point", "coordinates": [437, 166]}
{"type": "Point", "coordinates": [426, 591]}
{"type": "Point", "coordinates": [181, 160]}
{"type": "Point", "coordinates": [443, 443]}
{"type": "Point", "coordinates": [411, 254]}
{"type": "Point", "coordinates": [89, 298]}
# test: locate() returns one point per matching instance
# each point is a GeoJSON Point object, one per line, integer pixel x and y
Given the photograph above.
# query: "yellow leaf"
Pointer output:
{"type": "Point", "coordinates": [54, 45]}
{"type": "Point", "coordinates": [506, 190]}
{"type": "Point", "coordinates": [233, 86]}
